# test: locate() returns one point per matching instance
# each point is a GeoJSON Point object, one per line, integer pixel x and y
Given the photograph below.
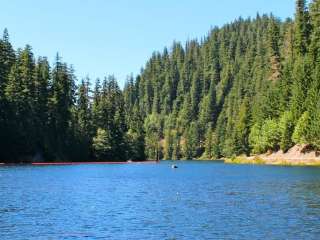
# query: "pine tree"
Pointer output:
{"type": "Point", "coordinates": [19, 94]}
{"type": "Point", "coordinates": [314, 50]}
{"type": "Point", "coordinates": [168, 145]}
{"type": "Point", "coordinates": [300, 85]}
{"type": "Point", "coordinates": [273, 48]}
{"type": "Point", "coordinates": [242, 128]}
{"type": "Point", "coordinates": [302, 28]}
{"type": "Point", "coordinates": [208, 109]}
{"type": "Point", "coordinates": [83, 123]}
{"type": "Point", "coordinates": [195, 95]}
{"type": "Point", "coordinates": [191, 142]}
{"type": "Point", "coordinates": [7, 60]}
{"type": "Point", "coordinates": [61, 100]}
{"type": "Point", "coordinates": [211, 144]}
{"type": "Point", "coordinates": [40, 104]}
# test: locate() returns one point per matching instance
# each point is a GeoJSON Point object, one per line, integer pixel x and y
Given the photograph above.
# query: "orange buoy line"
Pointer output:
{"type": "Point", "coordinates": [80, 163]}
{"type": "Point", "coordinates": [87, 163]}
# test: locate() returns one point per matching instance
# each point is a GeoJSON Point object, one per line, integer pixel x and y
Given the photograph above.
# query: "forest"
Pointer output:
{"type": "Point", "coordinates": [248, 87]}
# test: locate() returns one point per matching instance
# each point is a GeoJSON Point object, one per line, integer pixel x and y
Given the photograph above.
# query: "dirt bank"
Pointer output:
{"type": "Point", "coordinates": [299, 155]}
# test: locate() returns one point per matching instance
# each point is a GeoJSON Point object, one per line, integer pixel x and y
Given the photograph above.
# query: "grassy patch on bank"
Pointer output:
{"type": "Point", "coordinates": [245, 160]}
{"type": "Point", "coordinates": [279, 162]}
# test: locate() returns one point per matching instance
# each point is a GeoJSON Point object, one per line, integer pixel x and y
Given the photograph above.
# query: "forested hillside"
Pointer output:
{"type": "Point", "coordinates": [248, 87]}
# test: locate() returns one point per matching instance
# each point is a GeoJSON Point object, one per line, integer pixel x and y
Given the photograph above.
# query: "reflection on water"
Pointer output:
{"type": "Point", "coordinates": [199, 200]}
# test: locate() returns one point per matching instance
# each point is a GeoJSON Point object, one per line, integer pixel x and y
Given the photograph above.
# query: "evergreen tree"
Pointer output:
{"type": "Point", "coordinates": [302, 28]}
{"type": "Point", "coordinates": [61, 100]}
{"type": "Point", "coordinates": [300, 86]}
{"type": "Point", "coordinates": [84, 120]}
{"type": "Point", "coordinates": [208, 108]}
{"type": "Point", "coordinates": [273, 48]}
{"type": "Point", "coordinates": [242, 128]}
{"type": "Point", "coordinates": [315, 34]}
{"type": "Point", "coordinates": [191, 142]}
{"type": "Point", "coordinates": [211, 145]}
{"type": "Point", "coordinates": [40, 104]}
{"type": "Point", "coordinates": [19, 93]}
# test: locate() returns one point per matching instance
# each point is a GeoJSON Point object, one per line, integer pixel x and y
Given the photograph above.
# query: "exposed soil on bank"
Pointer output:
{"type": "Point", "coordinates": [299, 155]}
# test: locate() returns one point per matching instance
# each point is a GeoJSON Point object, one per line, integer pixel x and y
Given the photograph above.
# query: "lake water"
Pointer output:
{"type": "Point", "coordinates": [199, 200]}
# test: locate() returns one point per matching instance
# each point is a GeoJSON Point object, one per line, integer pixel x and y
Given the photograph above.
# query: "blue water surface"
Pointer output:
{"type": "Point", "coordinates": [199, 200]}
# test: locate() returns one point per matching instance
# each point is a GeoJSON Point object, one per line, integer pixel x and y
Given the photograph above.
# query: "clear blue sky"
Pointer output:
{"type": "Point", "coordinates": [102, 37]}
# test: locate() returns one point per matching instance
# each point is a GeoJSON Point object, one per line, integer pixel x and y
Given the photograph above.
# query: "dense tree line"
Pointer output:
{"type": "Point", "coordinates": [250, 86]}
{"type": "Point", "coordinates": [46, 115]}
